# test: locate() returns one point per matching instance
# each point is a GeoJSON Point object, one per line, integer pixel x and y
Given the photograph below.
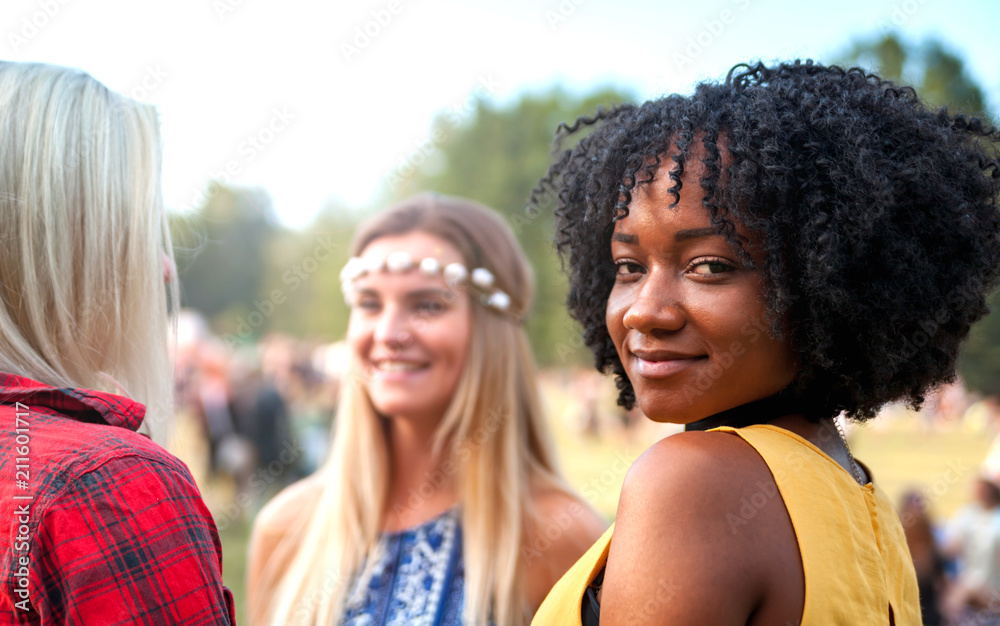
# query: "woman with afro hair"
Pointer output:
{"type": "Point", "coordinates": [796, 243]}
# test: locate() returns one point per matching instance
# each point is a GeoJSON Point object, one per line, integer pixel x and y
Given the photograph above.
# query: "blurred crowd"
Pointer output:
{"type": "Point", "coordinates": [250, 419]}
{"type": "Point", "coordinates": [958, 560]}
{"type": "Point", "coordinates": [950, 408]}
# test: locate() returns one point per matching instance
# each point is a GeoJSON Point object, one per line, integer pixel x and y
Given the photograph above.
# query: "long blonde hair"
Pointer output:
{"type": "Point", "coordinates": [82, 233]}
{"type": "Point", "coordinates": [493, 431]}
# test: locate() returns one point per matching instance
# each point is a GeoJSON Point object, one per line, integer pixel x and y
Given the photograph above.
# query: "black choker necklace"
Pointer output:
{"type": "Point", "coordinates": [756, 412]}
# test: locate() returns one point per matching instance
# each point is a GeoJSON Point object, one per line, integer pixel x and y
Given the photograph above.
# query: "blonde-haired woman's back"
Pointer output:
{"type": "Point", "coordinates": [98, 524]}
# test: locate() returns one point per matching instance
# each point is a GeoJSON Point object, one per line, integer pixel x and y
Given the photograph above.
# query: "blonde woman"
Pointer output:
{"type": "Point", "coordinates": [98, 524]}
{"type": "Point", "coordinates": [440, 502]}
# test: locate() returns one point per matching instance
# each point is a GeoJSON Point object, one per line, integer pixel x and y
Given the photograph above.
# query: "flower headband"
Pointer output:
{"type": "Point", "coordinates": [454, 274]}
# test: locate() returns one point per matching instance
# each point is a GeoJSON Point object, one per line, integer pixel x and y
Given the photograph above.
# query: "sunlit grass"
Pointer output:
{"type": "Point", "coordinates": [939, 464]}
{"type": "Point", "coordinates": [235, 537]}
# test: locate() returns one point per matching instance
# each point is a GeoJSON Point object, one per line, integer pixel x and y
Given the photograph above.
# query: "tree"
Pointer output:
{"type": "Point", "coordinates": [303, 277]}
{"type": "Point", "coordinates": [496, 157]}
{"type": "Point", "coordinates": [979, 362]}
{"type": "Point", "coordinates": [941, 81]}
{"type": "Point", "coordinates": [938, 75]}
{"type": "Point", "coordinates": [221, 252]}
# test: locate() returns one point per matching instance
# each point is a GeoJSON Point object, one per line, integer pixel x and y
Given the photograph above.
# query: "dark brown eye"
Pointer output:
{"type": "Point", "coordinates": [710, 267]}
{"type": "Point", "coordinates": [431, 306]}
{"type": "Point", "coordinates": [624, 268]}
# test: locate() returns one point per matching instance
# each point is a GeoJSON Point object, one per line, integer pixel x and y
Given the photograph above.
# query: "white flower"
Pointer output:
{"type": "Point", "coordinates": [374, 263]}
{"type": "Point", "coordinates": [355, 268]}
{"type": "Point", "coordinates": [455, 273]}
{"type": "Point", "coordinates": [399, 262]}
{"type": "Point", "coordinates": [482, 278]}
{"type": "Point", "coordinates": [430, 266]}
{"type": "Point", "coordinates": [499, 301]}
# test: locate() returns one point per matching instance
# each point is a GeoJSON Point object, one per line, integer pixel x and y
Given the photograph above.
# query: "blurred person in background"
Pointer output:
{"type": "Point", "coordinates": [100, 524]}
{"type": "Point", "coordinates": [788, 245]}
{"type": "Point", "coordinates": [259, 411]}
{"type": "Point", "coordinates": [260, 414]}
{"type": "Point", "coordinates": [314, 412]}
{"type": "Point", "coordinates": [440, 501]}
{"type": "Point", "coordinates": [229, 452]}
{"type": "Point", "coordinates": [973, 538]}
{"type": "Point", "coordinates": [927, 559]}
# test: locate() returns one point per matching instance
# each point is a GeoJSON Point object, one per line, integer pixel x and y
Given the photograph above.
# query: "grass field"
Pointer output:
{"type": "Point", "coordinates": [941, 465]}
{"type": "Point", "coordinates": [234, 563]}
{"type": "Point", "coordinates": [900, 455]}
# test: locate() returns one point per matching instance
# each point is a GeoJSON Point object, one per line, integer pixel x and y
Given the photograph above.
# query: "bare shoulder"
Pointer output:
{"type": "Point", "coordinates": [274, 522]}
{"type": "Point", "coordinates": [694, 476]}
{"type": "Point", "coordinates": [286, 508]}
{"type": "Point", "coordinates": [578, 522]}
{"type": "Point", "coordinates": [688, 463]}
{"type": "Point", "coordinates": [565, 527]}
{"type": "Point", "coordinates": [685, 549]}
{"type": "Point", "coordinates": [689, 483]}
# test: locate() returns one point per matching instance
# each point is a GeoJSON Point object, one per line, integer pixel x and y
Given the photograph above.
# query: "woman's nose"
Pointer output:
{"type": "Point", "coordinates": [655, 308]}
{"type": "Point", "coordinates": [394, 328]}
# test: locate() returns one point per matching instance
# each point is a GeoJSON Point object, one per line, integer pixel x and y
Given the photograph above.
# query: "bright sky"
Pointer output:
{"type": "Point", "coordinates": [321, 102]}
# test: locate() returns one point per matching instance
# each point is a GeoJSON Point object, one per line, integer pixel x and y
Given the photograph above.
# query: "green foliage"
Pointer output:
{"type": "Point", "coordinates": [938, 75]}
{"type": "Point", "coordinates": [219, 250]}
{"type": "Point", "coordinates": [303, 277]}
{"type": "Point", "coordinates": [979, 363]}
{"type": "Point", "coordinates": [941, 81]}
{"type": "Point", "coordinates": [249, 276]}
{"type": "Point", "coordinates": [496, 158]}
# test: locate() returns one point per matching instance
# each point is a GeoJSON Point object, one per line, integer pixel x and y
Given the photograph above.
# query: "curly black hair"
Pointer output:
{"type": "Point", "coordinates": [879, 219]}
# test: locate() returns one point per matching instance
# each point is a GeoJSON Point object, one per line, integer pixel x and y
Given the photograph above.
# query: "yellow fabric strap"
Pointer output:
{"type": "Point", "coordinates": [562, 606]}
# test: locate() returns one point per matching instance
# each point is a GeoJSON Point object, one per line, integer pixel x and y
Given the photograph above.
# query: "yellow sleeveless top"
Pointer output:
{"type": "Point", "coordinates": [854, 555]}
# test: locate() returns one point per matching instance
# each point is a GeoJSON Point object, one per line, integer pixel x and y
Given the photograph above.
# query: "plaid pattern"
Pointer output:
{"type": "Point", "coordinates": [116, 530]}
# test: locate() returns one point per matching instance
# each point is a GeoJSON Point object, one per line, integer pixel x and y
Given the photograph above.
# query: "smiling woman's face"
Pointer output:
{"type": "Point", "coordinates": [687, 318]}
{"type": "Point", "coordinates": [410, 331]}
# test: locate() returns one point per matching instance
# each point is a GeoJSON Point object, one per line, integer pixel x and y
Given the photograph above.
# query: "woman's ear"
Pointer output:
{"type": "Point", "coordinates": [168, 268]}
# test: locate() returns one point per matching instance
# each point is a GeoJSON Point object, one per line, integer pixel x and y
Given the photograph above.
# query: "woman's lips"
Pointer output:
{"type": "Point", "coordinates": [663, 368]}
{"type": "Point", "coordinates": [392, 370]}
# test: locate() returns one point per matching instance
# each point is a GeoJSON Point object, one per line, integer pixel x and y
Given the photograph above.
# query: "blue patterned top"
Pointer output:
{"type": "Point", "coordinates": [413, 577]}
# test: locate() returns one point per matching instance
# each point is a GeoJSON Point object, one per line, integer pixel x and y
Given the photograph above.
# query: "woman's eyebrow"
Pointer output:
{"type": "Point", "coordinates": [695, 233]}
{"type": "Point", "coordinates": [415, 294]}
{"type": "Point", "coordinates": [681, 235]}
{"type": "Point", "coordinates": [622, 237]}
{"type": "Point", "coordinates": [433, 292]}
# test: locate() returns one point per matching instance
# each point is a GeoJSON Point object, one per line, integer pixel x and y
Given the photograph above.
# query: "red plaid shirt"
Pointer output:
{"type": "Point", "coordinates": [98, 524]}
